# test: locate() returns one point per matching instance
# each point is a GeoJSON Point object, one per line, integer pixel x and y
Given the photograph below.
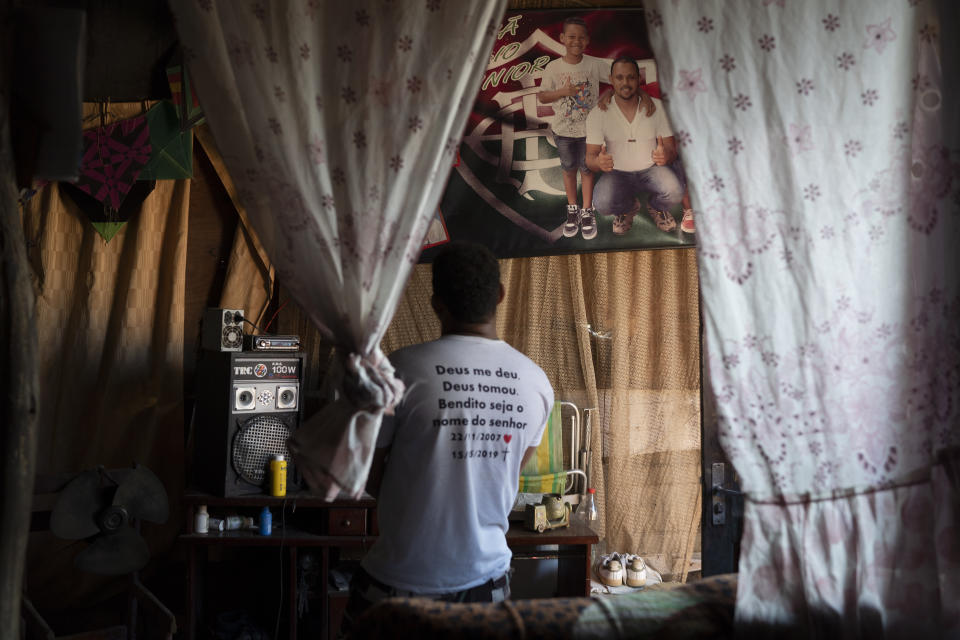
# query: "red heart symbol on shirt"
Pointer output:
{"type": "Point", "coordinates": [507, 438]}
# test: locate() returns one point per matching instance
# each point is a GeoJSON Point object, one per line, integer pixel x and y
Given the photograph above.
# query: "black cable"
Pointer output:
{"type": "Point", "coordinates": [251, 324]}
{"type": "Point", "coordinates": [274, 316]}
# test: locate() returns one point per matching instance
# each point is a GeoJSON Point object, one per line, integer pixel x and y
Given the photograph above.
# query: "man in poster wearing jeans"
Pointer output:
{"type": "Point", "coordinates": [447, 465]}
{"type": "Point", "coordinates": [632, 150]}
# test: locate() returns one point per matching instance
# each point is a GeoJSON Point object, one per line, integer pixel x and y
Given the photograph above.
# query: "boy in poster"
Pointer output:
{"type": "Point", "coordinates": [571, 85]}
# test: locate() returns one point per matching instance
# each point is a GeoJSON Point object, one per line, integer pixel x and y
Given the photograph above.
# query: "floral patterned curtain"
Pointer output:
{"type": "Point", "coordinates": [338, 123]}
{"type": "Point", "coordinates": [821, 138]}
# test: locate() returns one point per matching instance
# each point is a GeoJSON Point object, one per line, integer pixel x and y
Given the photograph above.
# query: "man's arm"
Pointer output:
{"type": "Point", "coordinates": [670, 146]}
{"type": "Point", "coordinates": [598, 159]}
{"type": "Point", "coordinates": [593, 150]}
{"type": "Point", "coordinates": [375, 477]}
{"type": "Point", "coordinates": [665, 152]}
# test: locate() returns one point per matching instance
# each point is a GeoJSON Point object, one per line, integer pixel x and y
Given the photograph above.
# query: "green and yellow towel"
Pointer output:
{"type": "Point", "coordinates": [544, 472]}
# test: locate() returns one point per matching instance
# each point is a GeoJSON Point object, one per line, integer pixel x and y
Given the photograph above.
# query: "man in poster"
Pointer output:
{"type": "Point", "coordinates": [633, 150]}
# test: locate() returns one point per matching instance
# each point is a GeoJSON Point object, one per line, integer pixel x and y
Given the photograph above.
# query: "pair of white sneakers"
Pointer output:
{"type": "Point", "coordinates": [582, 220]}
{"type": "Point", "coordinates": [618, 569]}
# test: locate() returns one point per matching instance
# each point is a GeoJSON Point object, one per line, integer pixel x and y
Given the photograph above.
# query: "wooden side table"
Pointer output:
{"type": "Point", "coordinates": [573, 553]}
{"type": "Point", "coordinates": [348, 524]}
{"type": "Point", "coordinates": [342, 524]}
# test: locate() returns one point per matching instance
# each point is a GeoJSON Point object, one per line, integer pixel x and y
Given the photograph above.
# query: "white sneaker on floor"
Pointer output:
{"type": "Point", "coordinates": [610, 570]}
{"type": "Point", "coordinates": [636, 572]}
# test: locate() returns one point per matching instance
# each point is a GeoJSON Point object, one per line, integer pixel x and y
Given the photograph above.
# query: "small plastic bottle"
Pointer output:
{"type": "Point", "coordinates": [589, 506]}
{"type": "Point", "coordinates": [266, 522]}
{"type": "Point", "coordinates": [239, 522]}
{"type": "Point", "coordinates": [202, 521]}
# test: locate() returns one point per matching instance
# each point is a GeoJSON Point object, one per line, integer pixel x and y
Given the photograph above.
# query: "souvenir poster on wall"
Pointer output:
{"type": "Point", "coordinates": [436, 232]}
{"type": "Point", "coordinates": [522, 184]}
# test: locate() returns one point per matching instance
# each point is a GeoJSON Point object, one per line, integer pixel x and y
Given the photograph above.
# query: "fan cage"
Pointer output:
{"type": "Point", "coordinates": [232, 336]}
{"type": "Point", "coordinates": [258, 440]}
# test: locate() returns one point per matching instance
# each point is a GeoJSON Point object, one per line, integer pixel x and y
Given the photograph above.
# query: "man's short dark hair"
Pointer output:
{"type": "Point", "coordinates": [572, 20]}
{"type": "Point", "coordinates": [628, 60]}
{"type": "Point", "coordinates": [466, 278]}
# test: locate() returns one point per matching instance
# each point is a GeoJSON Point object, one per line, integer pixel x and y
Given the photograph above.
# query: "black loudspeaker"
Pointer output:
{"type": "Point", "coordinates": [248, 404]}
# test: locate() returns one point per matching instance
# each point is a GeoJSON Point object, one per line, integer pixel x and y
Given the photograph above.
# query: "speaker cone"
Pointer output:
{"type": "Point", "coordinates": [245, 399]}
{"type": "Point", "coordinates": [286, 397]}
{"type": "Point", "coordinates": [259, 439]}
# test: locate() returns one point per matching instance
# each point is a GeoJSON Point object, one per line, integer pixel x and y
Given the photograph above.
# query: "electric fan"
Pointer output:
{"type": "Point", "coordinates": [98, 506]}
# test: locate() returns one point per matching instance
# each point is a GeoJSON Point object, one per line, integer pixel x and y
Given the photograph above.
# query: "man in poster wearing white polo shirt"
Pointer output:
{"type": "Point", "coordinates": [632, 150]}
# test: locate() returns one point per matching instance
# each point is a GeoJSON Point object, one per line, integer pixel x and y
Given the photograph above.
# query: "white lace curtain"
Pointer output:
{"type": "Point", "coordinates": [821, 138]}
{"type": "Point", "coordinates": [339, 123]}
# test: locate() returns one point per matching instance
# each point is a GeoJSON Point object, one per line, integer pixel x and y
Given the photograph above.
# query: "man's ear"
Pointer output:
{"type": "Point", "coordinates": [503, 293]}
{"type": "Point", "coordinates": [436, 304]}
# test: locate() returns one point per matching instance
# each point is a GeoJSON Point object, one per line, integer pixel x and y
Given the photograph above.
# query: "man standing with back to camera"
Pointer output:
{"type": "Point", "coordinates": [447, 464]}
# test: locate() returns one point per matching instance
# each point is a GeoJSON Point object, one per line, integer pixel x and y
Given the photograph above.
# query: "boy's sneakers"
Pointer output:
{"type": "Point", "coordinates": [662, 219]}
{"type": "Point", "coordinates": [588, 223]}
{"type": "Point", "coordinates": [572, 224]}
{"type": "Point", "coordinates": [686, 224]}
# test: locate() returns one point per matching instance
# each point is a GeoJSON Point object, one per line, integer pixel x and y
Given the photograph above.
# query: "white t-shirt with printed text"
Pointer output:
{"type": "Point", "coordinates": [472, 408]}
{"type": "Point", "coordinates": [630, 143]}
{"type": "Point", "coordinates": [570, 112]}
